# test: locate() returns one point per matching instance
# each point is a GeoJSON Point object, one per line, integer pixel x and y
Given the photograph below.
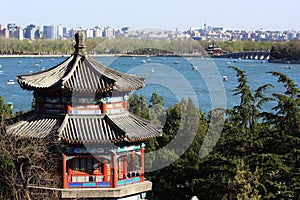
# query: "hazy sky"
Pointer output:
{"type": "Point", "coordinates": [166, 14]}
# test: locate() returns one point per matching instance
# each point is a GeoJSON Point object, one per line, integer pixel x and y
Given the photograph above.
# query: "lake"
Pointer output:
{"type": "Point", "coordinates": [173, 78]}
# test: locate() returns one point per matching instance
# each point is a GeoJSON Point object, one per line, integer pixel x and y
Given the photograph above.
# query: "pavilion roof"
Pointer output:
{"type": "Point", "coordinates": [84, 129]}
{"type": "Point", "coordinates": [81, 73]}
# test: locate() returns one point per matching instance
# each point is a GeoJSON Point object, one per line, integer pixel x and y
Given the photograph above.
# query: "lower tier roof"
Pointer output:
{"type": "Point", "coordinates": [82, 129]}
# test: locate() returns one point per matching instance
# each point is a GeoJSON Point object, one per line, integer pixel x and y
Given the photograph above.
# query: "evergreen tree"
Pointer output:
{"type": "Point", "coordinates": [245, 182]}
{"type": "Point", "coordinates": [287, 116]}
{"type": "Point", "coordinates": [285, 132]}
{"type": "Point", "coordinates": [137, 105]}
{"type": "Point", "coordinates": [5, 110]}
{"type": "Point", "coordinates": [156, 109]}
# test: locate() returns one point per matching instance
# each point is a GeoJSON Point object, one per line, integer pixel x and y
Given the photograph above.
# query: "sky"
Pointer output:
{"type": "Point", "coordinates": [247, 15]}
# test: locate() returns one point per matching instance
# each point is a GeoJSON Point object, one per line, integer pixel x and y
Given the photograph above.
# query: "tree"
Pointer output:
{"type": "Point", "coordinates": [245, 183]}
{"type": "Point", "coordinates": [33, 161]}
{"type": "Point", "coordinates": [285, 132]}
{"type": "Point", "coordinates": [5, 110]}
{"type": "Point", "coordinates": [287, 116]}
{"type": "Point", "coordinates": [156, 109]}
{"type": "Point", "coordinates": [25, 162]}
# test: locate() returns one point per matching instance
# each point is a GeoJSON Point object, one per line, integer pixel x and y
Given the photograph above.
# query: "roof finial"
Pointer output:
{"type": "Point", "coordinates": [80, 42]}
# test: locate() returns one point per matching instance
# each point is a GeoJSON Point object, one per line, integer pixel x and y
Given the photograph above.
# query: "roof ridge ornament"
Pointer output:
{"type": "Point", "coordinates": [80, 42]}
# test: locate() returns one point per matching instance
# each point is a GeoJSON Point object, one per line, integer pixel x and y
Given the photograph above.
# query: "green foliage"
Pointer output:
{"type": "Point", "coordinates": [35, 47]}
{"type": "Point", "coordinates": [287, 116]}
{"type": "Point", "coordinates": [5, 110]}
{"type": "Point", "coordinates": [120, 45]}
{"type": "Point", "coordinates": [137, 105]}
{"type": "Point", "coordinates": [286, 51]}
{"type": "Point", "coordinates": [257, 155]}
{"type": "Point", "coordinates": [245, 182]}
{"type": "Point", "coordinates": [240, 46]}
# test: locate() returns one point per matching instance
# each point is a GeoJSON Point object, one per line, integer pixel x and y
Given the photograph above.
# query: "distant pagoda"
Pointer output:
{"type": "Point", "coordinates": [83, 104]}
{"type": "Point", "coordinates": [214, 50]}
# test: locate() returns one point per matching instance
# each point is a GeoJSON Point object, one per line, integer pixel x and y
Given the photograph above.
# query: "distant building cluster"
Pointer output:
{"type": "Point", "coordinates": [52, 32]}
{"type": "Point", "coordinates": [221, 34]}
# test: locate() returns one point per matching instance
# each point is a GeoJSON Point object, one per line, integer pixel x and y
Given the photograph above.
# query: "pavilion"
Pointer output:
{"type": "Point", "coordinates": [83, 105]}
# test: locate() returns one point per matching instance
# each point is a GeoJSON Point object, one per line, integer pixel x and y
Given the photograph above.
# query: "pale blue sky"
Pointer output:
{"type": "Point", "coordinates": [166, 14]}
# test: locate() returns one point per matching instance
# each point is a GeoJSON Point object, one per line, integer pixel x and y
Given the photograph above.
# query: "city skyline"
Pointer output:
{"type": "Point", "coordinates": [230, 14]}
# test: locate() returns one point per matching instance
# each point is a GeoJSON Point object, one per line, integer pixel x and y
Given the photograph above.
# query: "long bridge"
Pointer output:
{"type": "Point", "coordinates": [255, 55]}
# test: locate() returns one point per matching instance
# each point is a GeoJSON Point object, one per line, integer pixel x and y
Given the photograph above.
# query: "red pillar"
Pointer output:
{"type": "Point", "coordinates": [124, 166]}
{"type": "Point", "coordinates": [104, 110]}
{"type": "Point", "coordinates": [132, 160]}
{"type": "Point", "coordinates": [105, 171]}
{"type": "Point", "coordinates": [64, 174]}
{"type": "Point", "coordinates": [125, 105]}
{"type": "Point", "coordinates": [142, 165]}
{"type": "Point", "coordinates": [114, 170]}
{"type": "Point", "coordinates": [68, 109]}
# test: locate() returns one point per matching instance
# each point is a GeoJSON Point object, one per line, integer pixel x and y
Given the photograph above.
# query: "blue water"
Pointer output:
{"type": "Point", "coordinates": [171, 77]}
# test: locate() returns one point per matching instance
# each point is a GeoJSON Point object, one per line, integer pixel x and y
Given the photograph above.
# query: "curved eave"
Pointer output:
{"type": "Point", "coordinates": [106, 129]}
{"type": "Point", "coordinates": [122, 81]}
{"type": "Point", "coordinates": [35, 125]}
{"type": "Point", "coordinates": [81, 73]}
{"type": "Point", "coordinates": [47, 79]}
{"type": "Point", "coordinates": [88, 129]}
{"type": "Point", "coordinates": [135, 128]}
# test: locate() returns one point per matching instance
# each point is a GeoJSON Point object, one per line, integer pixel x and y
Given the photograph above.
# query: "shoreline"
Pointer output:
{"type": "Point", "coordinates": [32, 56]}
{"type": "Point", "coordinates": [94, 55]}
{"type": "Point", "coordinates": [284, 61]}
{"type": "Point", "coordinates": [133, 55]}
{"type": "Point", "coordinates": [54, 56]}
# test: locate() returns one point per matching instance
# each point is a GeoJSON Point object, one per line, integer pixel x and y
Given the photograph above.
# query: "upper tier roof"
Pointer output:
{"type": "Point", "coordinates": [81, 73]}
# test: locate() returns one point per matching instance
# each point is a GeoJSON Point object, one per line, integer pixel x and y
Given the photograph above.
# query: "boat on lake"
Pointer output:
{"type": "Point", "coordinates": [10, 82]}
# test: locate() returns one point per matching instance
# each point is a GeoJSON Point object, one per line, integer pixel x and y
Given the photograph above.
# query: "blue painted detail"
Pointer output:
{"type": "Point", "coordinates": [129, 181]}
{"type": "Point", "coordinates": [90, 184]}
{"type": "Point", "coordinates": [121, 182]}
{"type": "Point", "coordinates": [136, 179]}
{"type": "Point", "coordinates": [103, 184]}
{"type": "Point", "coordinates": [75, 185]}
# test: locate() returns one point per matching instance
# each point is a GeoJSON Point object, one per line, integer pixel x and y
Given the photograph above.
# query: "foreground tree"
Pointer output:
{"type": "Point", "coordinates": [285, 136]}
{"type": "Point", "coordinates": [25, 164]}
{"type": "Point", "coordinates": [5, 110]}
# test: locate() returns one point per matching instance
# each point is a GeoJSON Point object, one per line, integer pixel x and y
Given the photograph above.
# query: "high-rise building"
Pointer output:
{"type": "Point", "coordinates": [89, 33]}
{"type": "Point", "coordinates": [4, 31]}
{"type": "Point", "coordinates": [71, 32]}
{"type": "Point", "coordinates": [98, 32]}
{"type": "Point", "coordinates": [109, 32]}
{"type": "Point", "coordinates": [12, 27]}
{"type": "Point", "coordinates": [31, 32]}
{"type": "Point", "coordinates": [60, 32]}
{"type": "Point", "coordinates": [19, 33]}
{"type": "Point", "coordinates": [50, 32]}
{"type": "Point", "coordinates": [65, 32]}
